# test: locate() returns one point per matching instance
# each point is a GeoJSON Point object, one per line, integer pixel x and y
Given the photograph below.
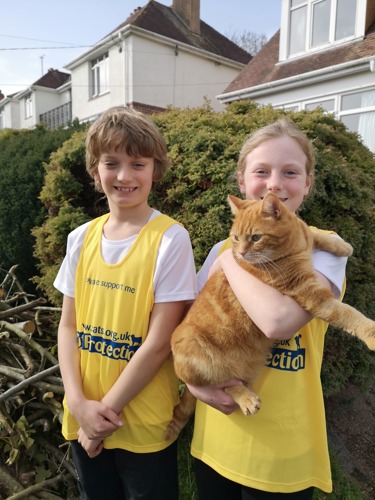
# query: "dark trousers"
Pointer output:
{"type": "Point", "coordinates": [213, 486]}
{"type": "Point", "coordinates": [123, 475]}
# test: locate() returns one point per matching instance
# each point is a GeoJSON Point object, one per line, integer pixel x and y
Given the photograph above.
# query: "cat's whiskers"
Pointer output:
{"type": "Point", "coordinates": [261, 260]}
{"type": "Point", "coordinates": [275, 267]}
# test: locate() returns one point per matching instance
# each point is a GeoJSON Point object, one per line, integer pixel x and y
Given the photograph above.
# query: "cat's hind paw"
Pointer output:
{"type": "Point", "coordinates": [250, 405]}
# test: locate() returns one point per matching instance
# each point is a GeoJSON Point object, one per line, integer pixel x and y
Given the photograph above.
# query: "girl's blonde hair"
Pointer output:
{"type": "Point", "coordinates": [279, 128]}
{"type": "Point", "coordinates": [126, 129]}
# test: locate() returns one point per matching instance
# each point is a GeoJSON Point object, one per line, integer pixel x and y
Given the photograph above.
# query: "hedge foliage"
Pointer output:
{"type": "Point", "coordinates": [204, 147]}
{"type": "Point", "coordinates": [22, 154]}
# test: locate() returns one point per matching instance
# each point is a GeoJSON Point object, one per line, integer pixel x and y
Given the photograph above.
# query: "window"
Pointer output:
{"type": "Point", "coordinates": [320, 22]}
{"type": "Point", "coordinates": [328, 105]}
{"type": "Point", "coordinates": [28, 106]}
{"type": "Point", "coordinates": [357, 111]}
{"type": "Point", "coordinates": [315, 23]}
{"type": "Point", "coordinates": [99, 75]}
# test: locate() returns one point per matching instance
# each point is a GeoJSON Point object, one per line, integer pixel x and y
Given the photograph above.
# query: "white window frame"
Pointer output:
{"type": "Point", "coordinates": [365, 112]}
{"type": "Point", "coordinates": [285, 33]}
{"type": "Point", "coordinates": [320, 103]}
{"type": "Point", "coordinates": [100, 75]}
{"type": "Point", "coordinates": [28, 106]}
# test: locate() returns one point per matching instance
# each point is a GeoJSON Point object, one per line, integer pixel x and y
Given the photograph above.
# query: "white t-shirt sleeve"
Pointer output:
{"type": "Point", "coordinates": [332, 267]}
{"type": "Point", "coordinates": [175, 274]}
{"type": "Point", "coordinates": [202, 275]}
{"type": "Point", "coordinates": [65, 279]}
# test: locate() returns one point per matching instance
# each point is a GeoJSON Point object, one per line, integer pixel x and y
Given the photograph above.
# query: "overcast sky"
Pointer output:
{"type": "Point", "coordinates": [41, 34]}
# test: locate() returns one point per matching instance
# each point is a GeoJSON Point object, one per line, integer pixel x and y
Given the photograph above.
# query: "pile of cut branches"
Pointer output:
{"type": "Point", "coordinates": [34, 462]}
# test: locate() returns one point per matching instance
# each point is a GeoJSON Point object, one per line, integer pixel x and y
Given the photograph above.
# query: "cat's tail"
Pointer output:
{"type": "Point", "coordinates": [181, 415]}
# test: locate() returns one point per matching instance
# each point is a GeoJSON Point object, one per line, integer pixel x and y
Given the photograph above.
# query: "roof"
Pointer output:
{"type": "Point", "coordinates": [265, 66]}
{"type": "Point", "coordinates": [163, 20]}
{"type": "Point", "coordinates": [53, 79]}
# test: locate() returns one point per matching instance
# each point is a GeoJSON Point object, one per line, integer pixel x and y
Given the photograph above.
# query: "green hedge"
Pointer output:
{"type": "Point", "coordinates": [22, 154]}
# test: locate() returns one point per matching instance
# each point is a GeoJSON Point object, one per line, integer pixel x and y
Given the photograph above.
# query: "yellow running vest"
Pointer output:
{"type": "Point", "coordinates": [113, 307]}
{"type": "Point", "coordinates": [283, 448]}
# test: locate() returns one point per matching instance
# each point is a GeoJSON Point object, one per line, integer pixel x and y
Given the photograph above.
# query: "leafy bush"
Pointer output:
{"type": "Point", "coordinates": [22, 153]}
{"type": "Point", "coordinates": [204, 147]}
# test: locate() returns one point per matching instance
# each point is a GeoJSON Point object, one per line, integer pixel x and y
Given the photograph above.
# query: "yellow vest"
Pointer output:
{"type": "Point", "coordinates": [283, 448]}
{"type": "Point", "coordinates": [113, 307]}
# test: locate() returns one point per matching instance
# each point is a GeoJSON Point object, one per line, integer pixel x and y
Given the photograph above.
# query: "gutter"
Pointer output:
{"type": "Point", "coordinates": [322, 74]}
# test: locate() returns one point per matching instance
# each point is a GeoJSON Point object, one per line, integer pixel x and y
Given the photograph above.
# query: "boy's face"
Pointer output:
{"type": "Point", "coordinates": [278, 166]}
{"type": "Point", "coordinates": [125, 180]}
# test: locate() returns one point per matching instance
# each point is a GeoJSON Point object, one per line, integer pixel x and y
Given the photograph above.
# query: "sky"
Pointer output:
{"type": "Point", "coordinates": [41, 34]}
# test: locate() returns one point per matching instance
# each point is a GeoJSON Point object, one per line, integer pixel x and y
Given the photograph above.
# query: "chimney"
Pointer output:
{"type": "Point", "coordinates": [189, 11]}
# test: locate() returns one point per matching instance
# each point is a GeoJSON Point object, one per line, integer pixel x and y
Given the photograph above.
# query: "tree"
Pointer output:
{"type": "Point", "coordinates": [248, 40]}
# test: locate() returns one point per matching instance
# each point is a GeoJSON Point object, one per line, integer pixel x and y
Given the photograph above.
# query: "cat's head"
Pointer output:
{"type": "Point", "coordinates": [262, 230]}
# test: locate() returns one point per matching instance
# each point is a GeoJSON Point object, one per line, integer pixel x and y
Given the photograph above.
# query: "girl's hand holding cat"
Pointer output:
{"type": "Point", "coordinates": [220, 262]}
{"type": "Point", "coordinates": [215, 395]}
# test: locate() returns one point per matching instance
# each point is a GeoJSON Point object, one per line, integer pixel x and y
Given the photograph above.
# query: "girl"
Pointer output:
{"type": "Point", "coordinates": [281, 452]}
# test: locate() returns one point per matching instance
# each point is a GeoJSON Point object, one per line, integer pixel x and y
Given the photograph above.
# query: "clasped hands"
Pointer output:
{"type": "Point", "coordinates": [97, 422]}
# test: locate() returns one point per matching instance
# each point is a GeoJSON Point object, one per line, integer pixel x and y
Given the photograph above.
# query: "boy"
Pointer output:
{"type": "Point", "coordinates": [126, 278]}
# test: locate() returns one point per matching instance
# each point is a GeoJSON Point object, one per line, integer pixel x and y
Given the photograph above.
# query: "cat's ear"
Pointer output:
{"type": "Point", "coordinates": [234, 203]}
{"type": "Point", "coordinates": [272, 206]}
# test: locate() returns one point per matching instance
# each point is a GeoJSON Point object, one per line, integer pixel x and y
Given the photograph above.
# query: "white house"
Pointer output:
{"type": "Point", "coordinates": [323, 55]}
{"type": "Point", "coordinates": [158, 57]}
{"type": "Point", "coordinates": [47, 100]}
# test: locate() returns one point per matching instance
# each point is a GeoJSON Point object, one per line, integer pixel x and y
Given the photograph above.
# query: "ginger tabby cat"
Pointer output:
{"type": "Point", "coordinates": [217, 340]}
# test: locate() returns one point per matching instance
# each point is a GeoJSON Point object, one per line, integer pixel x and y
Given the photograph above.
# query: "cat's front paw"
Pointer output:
{"type": "Point", "coordinates": [370, 342]}
{"type": "Point", "coordinates": [367, 335]}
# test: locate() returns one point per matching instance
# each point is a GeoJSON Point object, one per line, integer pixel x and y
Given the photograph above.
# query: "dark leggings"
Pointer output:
{"type": "Point", "coordinates": [123, 475]}
{"type": "Point", "coordinates": [213, 486]}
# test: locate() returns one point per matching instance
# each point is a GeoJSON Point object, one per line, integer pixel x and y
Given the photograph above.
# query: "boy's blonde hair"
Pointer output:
{"type": "Point", "coordinates": [279, 128]}
{"type": "Point", "coordinates": [125, 129]}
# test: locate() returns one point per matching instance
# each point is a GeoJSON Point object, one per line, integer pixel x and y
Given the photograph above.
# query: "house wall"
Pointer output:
{"type": "Point", "coordinates": [168, 75]}
{"type": "Point", "coordinates": [152, 74]}
{"type": "Point", "coordinates": [323, 89]}
{"type": "Point", "coordinates": [85, 107]}
{"type": "Point", "coordinates": [301, 96]}
{"type": "Point", "coordinates": [11, 115]}
{"type": "Point", "coordinates": [46, 100]}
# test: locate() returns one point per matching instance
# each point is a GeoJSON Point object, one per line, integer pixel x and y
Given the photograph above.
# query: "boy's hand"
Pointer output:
{"type": "Point", "coordinates": [93, 447]}
{"type": "Point", "coordinates": [96, 420]}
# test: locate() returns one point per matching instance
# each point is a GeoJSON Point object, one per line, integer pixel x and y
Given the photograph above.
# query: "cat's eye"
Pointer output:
{"type": "Point", "coordinates": [256, 237]}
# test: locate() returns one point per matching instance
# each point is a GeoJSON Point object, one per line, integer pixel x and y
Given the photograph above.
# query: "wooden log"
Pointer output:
{"type": "Point", "coordinates": [26, 326]}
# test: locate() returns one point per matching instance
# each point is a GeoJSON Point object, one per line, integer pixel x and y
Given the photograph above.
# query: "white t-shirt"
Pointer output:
{"type": "Point", "coordinates": [174, 277]}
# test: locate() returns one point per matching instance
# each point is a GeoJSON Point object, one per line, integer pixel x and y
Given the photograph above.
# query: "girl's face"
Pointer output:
{"type": "Point", "coordinates": [276, 166]}
{"type": "Point", "coordinates": [126, 181]}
